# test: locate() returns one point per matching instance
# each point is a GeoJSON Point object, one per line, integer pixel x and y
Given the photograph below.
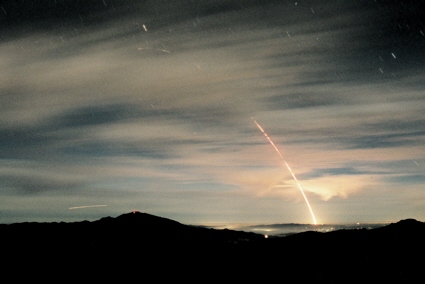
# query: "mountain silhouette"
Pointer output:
{"type": "Point", "coordinates": [139, 244]}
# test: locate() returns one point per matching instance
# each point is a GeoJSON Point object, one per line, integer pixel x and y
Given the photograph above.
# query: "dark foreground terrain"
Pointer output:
{"type": "Point", "coordinates": [145, 248]}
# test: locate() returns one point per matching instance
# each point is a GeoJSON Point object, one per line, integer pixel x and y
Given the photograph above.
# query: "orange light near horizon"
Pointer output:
{"type": "Point", "coordinates": [290, 170]}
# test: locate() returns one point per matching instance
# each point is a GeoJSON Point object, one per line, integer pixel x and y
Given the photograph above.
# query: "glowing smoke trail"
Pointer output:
{"type": "Point", "coordinates": [87, 206]}
{"type": "Point", "coordinates": [289, 168]}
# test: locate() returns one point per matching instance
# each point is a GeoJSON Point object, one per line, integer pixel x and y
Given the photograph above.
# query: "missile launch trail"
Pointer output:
{"type": "Point", "coordinates": [87, 206]}
{"type": "Point", "coordinates": [290, 170]}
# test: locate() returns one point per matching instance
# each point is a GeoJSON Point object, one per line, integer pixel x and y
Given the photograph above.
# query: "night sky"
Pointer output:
{"type": "Point", "coordinates": [110, 106]}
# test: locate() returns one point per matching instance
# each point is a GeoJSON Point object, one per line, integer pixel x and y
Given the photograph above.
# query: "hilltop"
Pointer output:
{"type": "Point", "coordinates": [136, 242]}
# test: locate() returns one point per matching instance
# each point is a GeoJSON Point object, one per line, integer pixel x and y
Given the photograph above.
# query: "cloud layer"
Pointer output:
{"type": "Point", "coordinates": [148, 105]}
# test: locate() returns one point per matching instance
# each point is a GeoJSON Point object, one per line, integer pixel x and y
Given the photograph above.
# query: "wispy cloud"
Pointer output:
{"type": "Point", "coordinates": [151, 104]}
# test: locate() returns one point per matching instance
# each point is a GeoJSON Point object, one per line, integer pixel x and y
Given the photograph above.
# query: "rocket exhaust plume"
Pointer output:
{"type": "Point", "coordinates": [87, 206]}
{"type": "Point", "coordinates": [289, 168]}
